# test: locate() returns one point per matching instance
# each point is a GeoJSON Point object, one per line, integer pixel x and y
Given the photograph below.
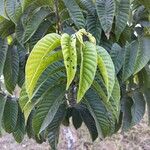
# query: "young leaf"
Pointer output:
{"type": "Point", "coordinates": [87, 69]}
{"type": "Point", "coordinates": [38, 60]}
{"type": "Point", "coordinates": [68, 45]}
{"type": "Point", "coordinates": [106, 68]}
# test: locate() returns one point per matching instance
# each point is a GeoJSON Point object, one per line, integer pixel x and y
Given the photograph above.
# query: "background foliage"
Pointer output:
{"type": "Point", "coordinates": [68, 76]}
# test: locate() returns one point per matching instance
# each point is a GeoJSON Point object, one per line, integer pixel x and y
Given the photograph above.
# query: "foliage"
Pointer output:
{"type": "Point", "coordinates": [82, 59]}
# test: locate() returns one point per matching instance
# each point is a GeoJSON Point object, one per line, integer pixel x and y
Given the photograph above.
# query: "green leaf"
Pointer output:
{"type": "Point", "coordinates": [54, 126]}
{"type": "Point", "coordinates": [40, 58]}
{"type": "Point", "coordinates": [117, 55]}
{"type": "Point", "coordinates": [87, 69]}
{"type": "Point", "coordinates": [138, 107]}
{"type": "Point", "coordinates": [127, 115]}
{"type": "Point", "coordinates": [106, 68]}
{"type": "Point", "coordinates": [68, 45]}
{"type": "Point", "coordinates": [75, 13]}
{"type": "Point", "coordinates": [33, 23]}
{"type": "Point", "coordinates": [146, 3]}
{"type": "Point", "coordinates": [10, 115]}
{"type": "Point", "coordinates": [13, 9]}
{"type": "Point", "coordinates": [143, 54]}
{"type": "Point", "coordinates": [3, 52]}
{"type": "Point", "coordinates": [2, 106]}
{"type": "Point", "coordinates": [48, 107]}
{"type": "Point", "coordinates": [136, 57]}
{"type": "Point", "coordinates": [99, 113]}
{"type": "Point", "coordinates": [76, 118]}
{"type": "Point", "coordinates": [129, 60]}
{"type": "Point", "coordinates": [94, 27]}
{"type": "Point", "coordinates": [23, 98]}
{"type": "Point", "coordinates": [89, 121]}
{"type": "Point", "coordinates": [27, 3]}
{"type": "Point", "coordinates": [122, 16]}
{"type": "Point", "coordinates": [106, 11]}
{"type": "Point", "coordinates": [88, 5]}
{"type": "Point", "coordinates": [11, 68]}
{"type": "Point", "coordinates": [19, 130]}
{"type": "Point", "coordinates": [2, 9]}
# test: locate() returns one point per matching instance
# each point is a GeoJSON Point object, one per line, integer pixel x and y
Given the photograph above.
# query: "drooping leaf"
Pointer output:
{"type": "Point", "coordinates": [106, 68]}
{"type": "Point", "coordinates": [11, 68]}
{"type": "Point", "coordinates": [87, 69]}
{"type": "Point", "coordinates": [40, 58]}
{"type": "Point", "coordinates": [122, 16]}
{"type": "Point", "coordinates": [3, 52]}
{"type": "Point", "coordinates": [68, 45]}
{"type": "Point", "coordinates": [13, 9]}
{"type": "Point", "coordinates": [10, 115]}
{"type": "Point", "coordinates": [75, 13]}
{"type": "Point", "coordinates": [48, 107]}
{"type": "Point", "coordinates": [19, 130]}
{"type": "Point", "coordinates": [106, 11]}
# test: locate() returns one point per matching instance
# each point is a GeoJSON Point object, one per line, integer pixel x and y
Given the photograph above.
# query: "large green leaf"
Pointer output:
{"type": "Point", "coordinates": [48, 107]}
{"type": "Point", "coordinates": [11, 68]}
{"type": "Point", "coordinates": [146, 3]}
{"type": "Point", "coordinates": [10, 115]}
{"type": "Point", "coordinates": [3, 52]}
{"type": "Point", "coordinates": [106, 11]}
{"type": "Point", "coordinates": [87, 69]}
{"type": "Point", "coordinates": [40, 58]}
{"type": "Point", "coordinates": [75, 13]}
{"type": "Point", "coordinates": [2, 106]}
{"type": "Point", "coordinates": [13, 9]}
{"type": "Point", "coordinates": [122, 16]}
{"type": "Point", "coordinates": [106, 68]}
{"type": "Point", "coordinates": [68, 45]}
{"type": "Point", "coordinates": [33, 23]}
{"type": "Point", "coordinates": [19, 130]}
